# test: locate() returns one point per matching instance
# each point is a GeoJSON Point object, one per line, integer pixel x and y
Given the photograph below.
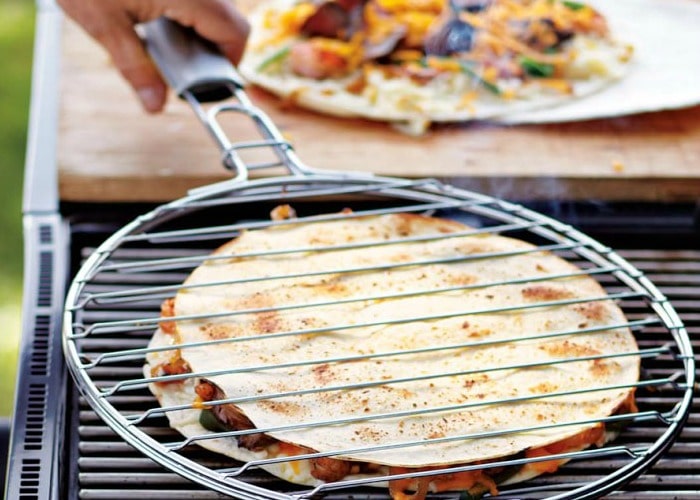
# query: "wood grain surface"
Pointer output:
{"type": "Point", "coordinates": [109, 150]}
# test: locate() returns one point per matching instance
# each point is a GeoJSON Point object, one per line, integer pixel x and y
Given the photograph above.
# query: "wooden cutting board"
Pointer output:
{"type": "Point", "coordinates": [109, 150]}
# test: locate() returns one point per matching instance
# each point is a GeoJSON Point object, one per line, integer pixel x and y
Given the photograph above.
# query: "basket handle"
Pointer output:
{"type": "Point", "coordinates": [199, 73]}
{"type": "Point", "coordinates": [189, 63]}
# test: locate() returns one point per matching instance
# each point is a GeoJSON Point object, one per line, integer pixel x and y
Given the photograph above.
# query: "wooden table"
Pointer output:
{"type": "Point", "coordinates": [109, 150]}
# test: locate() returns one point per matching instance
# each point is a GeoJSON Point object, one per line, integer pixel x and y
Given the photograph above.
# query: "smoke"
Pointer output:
{"type": "Point", "coordinates": [559, 198]}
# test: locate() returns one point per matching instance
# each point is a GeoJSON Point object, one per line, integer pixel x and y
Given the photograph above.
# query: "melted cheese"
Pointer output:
{"type": "Point", "coordinates": [498, 30]}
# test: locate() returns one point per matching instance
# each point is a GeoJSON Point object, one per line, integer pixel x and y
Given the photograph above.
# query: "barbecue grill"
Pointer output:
{"type": "Point", "coordinates": [74, 440]}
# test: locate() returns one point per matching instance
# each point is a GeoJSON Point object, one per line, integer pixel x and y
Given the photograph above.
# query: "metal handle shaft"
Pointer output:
{"type": "Point", "coordinates": [199, 73]}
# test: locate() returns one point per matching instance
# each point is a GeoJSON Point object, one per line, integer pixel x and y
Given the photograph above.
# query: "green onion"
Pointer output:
{"type": "Point", "coordinates": [274, 58]}
{"type": "Point", "coordinates": [491, 87]}
{"type": "Point", "coordinates": [535, 68]}
{"type": "Point", "coordinates": [573, 5]}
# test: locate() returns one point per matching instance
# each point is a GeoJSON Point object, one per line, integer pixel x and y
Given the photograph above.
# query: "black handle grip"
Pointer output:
{"type": "Point", "coordinates": [188, 62]}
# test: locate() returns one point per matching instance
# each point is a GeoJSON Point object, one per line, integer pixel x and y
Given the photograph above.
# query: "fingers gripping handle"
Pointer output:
{"type": "Point", "coordinates": [199, 73]}
{"type": "Point", "coordinates": [188, 62]}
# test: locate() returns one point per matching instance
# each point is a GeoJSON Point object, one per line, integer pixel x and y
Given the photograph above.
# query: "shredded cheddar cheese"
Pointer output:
{"type": "Point", "coordinates": [413, 62]}
{"type": "Point", "coordinates": [467, 100]}
{"type": "Point", "coordinates": [504, 32]}
{"type": "Point", "coordinates": [198, 404]}
{"type": "Point", "coordinates": [595, 435]}
{"type": "Point", "coordinates": [556, 84]}
{"type": "Point", "coordinates": [407, 55]}
{"type": "Point", "coordinates": [435, 6]}
{"type": "Point", "coordinates": [443, 64]}
{"type": "Point", "coordinates": [450, 481]}
{"type": "Point", "coordinates": [286, 23]}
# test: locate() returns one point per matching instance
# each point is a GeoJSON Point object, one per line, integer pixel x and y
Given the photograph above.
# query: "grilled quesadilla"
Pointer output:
{"type": "Point", "coordinates": [432, 60]}
{"type": "Point", "coordinates": [393, 344]}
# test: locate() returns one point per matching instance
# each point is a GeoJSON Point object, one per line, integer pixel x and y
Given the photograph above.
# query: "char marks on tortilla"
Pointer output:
{"type": "Point", "coordinates": [453, 345]}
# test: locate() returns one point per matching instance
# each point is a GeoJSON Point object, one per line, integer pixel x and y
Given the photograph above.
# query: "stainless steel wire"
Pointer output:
{"type": "Point", "coordinates": [601, 263]}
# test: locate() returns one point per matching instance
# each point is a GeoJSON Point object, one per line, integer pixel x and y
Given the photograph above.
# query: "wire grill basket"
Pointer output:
{"type": "Point", "coordinates": [113, 308]}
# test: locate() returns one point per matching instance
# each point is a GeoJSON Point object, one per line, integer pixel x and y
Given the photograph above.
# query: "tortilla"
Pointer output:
{"type": "Point", "coordinates": [665, 72]}
{"type": "Point", "coordinates": [446, 86]}
{"type": "Point", "coordinates": [477, 319]}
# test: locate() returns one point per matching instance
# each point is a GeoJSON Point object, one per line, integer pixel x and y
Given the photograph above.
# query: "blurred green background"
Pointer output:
{"type": "Point", "coordinates": [16, 45]}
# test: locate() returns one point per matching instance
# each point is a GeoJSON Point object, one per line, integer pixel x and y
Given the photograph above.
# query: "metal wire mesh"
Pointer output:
{"type": "Point", "coordinates": [107, 327]}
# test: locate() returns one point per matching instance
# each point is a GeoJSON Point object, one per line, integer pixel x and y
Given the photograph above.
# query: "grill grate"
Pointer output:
{"type": "Point", "coordinates": [114, 317]}
{"type": "Point", "coordinates": [106, 466]}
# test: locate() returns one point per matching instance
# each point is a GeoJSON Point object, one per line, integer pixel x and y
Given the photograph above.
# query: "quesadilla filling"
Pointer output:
{"type": "Point", "coordinates": [502, 47]}
{"type": "Point", "coordinates": [228, 417]}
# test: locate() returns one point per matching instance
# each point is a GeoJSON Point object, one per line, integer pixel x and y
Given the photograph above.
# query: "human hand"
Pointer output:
{"type": "Point", "coordinates": [112, 22]}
